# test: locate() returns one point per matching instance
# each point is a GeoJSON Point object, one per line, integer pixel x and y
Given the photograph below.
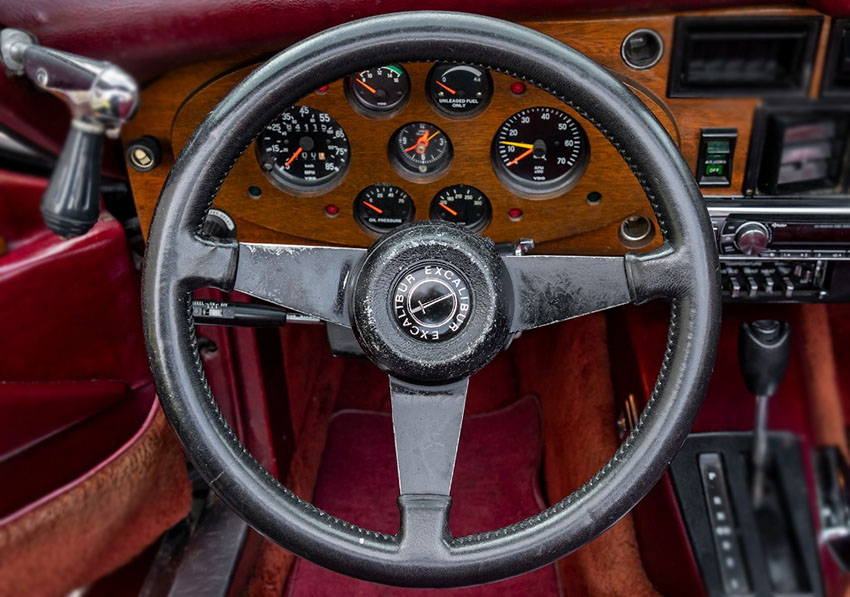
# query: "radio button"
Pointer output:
{"type": "Point", "coordinates": [752, 238]}
{"type": "Point", "coordinates": [753, 286]}
{"type": "Point", "coordinates": [789, 286]}
{"type": "Point", "coordinates": [768, 284]}
{"type": "Point", "coordinates": [734, 287]}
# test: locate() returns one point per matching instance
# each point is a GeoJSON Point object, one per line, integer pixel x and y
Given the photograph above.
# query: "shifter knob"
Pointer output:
{"type": "Point", "coordinates": [70, 205]}
{"type": "Point", "coordinates": [101, 96]}
{"type": "Point", "coordinates": [764, 347]}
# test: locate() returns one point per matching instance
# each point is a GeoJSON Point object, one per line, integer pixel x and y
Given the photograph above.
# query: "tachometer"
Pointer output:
{"type": "Point", "coordinates": [540, 152]}
{"type": "Point", "coordinates": [303, 151]}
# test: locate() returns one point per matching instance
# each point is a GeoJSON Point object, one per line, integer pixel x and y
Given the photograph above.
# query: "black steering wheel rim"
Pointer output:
{"type": "Point", "coordinates": [174, 242]}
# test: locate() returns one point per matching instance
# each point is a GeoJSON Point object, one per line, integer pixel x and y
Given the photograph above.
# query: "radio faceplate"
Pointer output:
{"type": "Point", "coordinates": [783, 252]}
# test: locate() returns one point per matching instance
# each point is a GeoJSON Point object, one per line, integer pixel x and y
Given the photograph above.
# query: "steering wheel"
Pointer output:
{"type": "Point", "coordinates": [430, 303]}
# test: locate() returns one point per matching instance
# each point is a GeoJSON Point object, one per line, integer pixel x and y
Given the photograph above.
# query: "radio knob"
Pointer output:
{"type": "Point", "coordinates": [751, 238]}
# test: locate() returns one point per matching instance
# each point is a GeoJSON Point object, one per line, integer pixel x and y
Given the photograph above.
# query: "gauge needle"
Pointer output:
{"type": "Point", "coordinates": [448, 209]}
{"type": "Point", "coordinates": [373, 207]}
{"type": "Point", "coordinates": [294, 155]}
{"type": "Point", "coordinates": [422, 307]}
{"type": "Point", "coordinates": [449, 89]}
{"type": "Point", "coordinates": [369, 87]}
{"type": "Point", "coordinates": [523, 145]}
{"type": "Point", "coordinates": [520, 156]}
{"type": "Point", "coordinates": [422, 139]}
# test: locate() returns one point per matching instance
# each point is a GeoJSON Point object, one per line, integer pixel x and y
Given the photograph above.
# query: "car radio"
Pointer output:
{"type": "Point", "coordinates": [790, 252]}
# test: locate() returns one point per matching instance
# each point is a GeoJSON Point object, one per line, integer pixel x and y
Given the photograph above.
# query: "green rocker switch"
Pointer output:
{"type": "Point", "coordinates": [716, 150]}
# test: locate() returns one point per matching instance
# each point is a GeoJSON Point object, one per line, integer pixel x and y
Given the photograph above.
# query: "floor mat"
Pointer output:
{"type": "Point", "coordinates": [495, 484]}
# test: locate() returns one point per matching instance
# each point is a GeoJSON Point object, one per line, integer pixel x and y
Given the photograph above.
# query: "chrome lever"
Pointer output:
{"type": "Point", "coordinates": [101, 97]}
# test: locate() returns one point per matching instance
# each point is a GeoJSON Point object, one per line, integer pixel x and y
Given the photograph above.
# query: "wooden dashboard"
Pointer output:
{"type": "Point", "coordinates": [174, 105]}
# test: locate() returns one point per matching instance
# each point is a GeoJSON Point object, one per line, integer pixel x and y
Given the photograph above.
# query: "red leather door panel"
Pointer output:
{"type": "Point", "coordinates": [74, 382]}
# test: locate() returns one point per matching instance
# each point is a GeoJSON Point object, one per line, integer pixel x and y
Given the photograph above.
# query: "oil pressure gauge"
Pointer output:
{"type": "Point", "coordinates": [381, 207]}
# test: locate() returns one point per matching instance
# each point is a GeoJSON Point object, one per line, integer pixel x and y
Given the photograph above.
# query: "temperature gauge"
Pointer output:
{"type": "Point", "coordinates": [378, 92]}
{"type": "Point", "coordinates": [462, 204]}
{"type": "Point", "coordinates": [381, 207]}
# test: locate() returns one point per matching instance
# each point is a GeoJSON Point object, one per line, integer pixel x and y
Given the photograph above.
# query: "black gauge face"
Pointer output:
{"type": "Point", "coordinates": [420, 150]}
{"type": "Point", "coordinates": [540, 152]}
{"type": "Point", "coordinates": [303, 151]}
{"type": "Point", "coordinates": [379, 91]}
{"type": "Point", "coordinates": [463, 205]}
{"type": "Point", "coordinates": [381, 207]}
{"type": "Point", "coordinates": [459, 90]}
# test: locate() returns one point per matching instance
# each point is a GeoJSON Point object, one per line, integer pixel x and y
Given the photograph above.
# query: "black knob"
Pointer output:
{"type": "Point", "coordinates": [71, 203]}
{"type": "Point", "coordinates": [764, 347]}
{"type": "Point", "coordinates": [219, 224]}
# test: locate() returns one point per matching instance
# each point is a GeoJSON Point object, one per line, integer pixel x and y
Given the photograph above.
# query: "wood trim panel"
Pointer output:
{"type": "Point", "coordinates": [173, 106]}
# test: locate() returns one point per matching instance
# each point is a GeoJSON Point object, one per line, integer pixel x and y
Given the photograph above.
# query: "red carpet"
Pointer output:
{"type": "Point", "coordinates": [495, 484]}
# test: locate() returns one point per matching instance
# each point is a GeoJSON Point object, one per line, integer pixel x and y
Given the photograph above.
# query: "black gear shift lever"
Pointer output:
{"type": "Point", "coordinates": [764, 347]}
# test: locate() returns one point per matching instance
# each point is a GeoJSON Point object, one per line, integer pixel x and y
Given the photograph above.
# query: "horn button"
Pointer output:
{"type": "Point", "coordinates": [430, 302]}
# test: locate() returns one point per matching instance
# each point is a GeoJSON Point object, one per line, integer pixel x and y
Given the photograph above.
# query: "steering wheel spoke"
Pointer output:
{"type": "Point", "coordinates": [426, 424]}
{"type": "Point", "coordinates": [663, 273]}
{"type": "Point", "coordinates": [552, 288]}
{"type": "Point", "coordinates": [311, 280]}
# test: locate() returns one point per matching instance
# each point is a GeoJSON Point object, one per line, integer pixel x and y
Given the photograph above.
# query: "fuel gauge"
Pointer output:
{"type": "Point", "coordinates": [459, 90]}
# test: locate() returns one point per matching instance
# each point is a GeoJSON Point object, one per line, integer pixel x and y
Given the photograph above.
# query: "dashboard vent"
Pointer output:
{"type": "Point", "coordinates": [769, 56]}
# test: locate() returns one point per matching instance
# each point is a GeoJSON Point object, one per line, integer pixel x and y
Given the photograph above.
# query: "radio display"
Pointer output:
{"type": "Point", "coordinates": [809, 233]}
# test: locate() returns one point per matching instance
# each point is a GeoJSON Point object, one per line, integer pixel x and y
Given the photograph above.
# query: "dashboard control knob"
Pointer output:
{"type": "Point", "coordinates": [752, 238]}
{"type": "Point", "coordinates": [219, 224]}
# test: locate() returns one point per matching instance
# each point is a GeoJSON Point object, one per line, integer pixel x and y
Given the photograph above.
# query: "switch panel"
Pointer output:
{"type": "Point", "coordinates": [716, 150]}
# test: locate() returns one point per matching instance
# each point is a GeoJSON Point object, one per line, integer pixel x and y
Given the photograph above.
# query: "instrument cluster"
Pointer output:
{"type": "Point", "coordinates": [539, 152]}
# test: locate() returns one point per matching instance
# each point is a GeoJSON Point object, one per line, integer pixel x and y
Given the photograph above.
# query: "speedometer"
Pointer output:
{"type": "Point", "coordinates": [303, 151]}
{"type": "Point", "coordinates": [540, 152]}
